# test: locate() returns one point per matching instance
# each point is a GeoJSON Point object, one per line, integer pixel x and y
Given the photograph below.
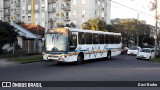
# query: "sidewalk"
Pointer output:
{"type": "Point", "coordinates": [4, 62]}
{"type": "Point", "coordinates": [11, 61]}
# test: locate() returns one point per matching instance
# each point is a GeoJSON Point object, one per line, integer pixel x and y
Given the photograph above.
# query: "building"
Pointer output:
{"type": "Point", "coordinates": [10, 10]}
{"type": "Point", "coordinates": [63, 12]}
{"type": "Point", "coordinates": [39, 12]}
{"type": "Point", "coordinates": [52, 13]}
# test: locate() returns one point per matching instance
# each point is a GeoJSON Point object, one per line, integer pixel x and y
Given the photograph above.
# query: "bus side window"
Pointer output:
{"type": "Point", "coordinates": [116, 39]}
{"type": "Point", "coordinates": [101, 38]}
{"type": "Point", "coordinates": [73, 42]}
{"type": "Point", "coordinates": [119, 39]}
{"type": "Point", "coordinates": [95, 39]}
{"type": "Point", "coordinates": [81, 38]}
{"type": "Point", "coordinates": [88, 38]}
{"type": "Point", "coordinates": [107, 39]}
{"type": "Point", "coordinates": [112, 39]}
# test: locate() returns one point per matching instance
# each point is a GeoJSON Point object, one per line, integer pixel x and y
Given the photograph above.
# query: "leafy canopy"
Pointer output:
{"type": "Point", "coordinates": [8, 35]}
{"type": "Point", "coordinates": [95, 24]}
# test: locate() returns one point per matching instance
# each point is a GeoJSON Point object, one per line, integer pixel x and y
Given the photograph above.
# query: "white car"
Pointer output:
{"type": "Point", "coordinates": [133, 50]}
{"type": "Point", "coordinates": [146, 53]}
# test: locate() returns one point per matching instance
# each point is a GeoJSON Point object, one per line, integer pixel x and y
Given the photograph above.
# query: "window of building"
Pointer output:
{"type": "Point", "coordinates": [43, 6]}
{"type": "Point", "coordinates": [83, 13]}
{"type": "Point", "coordinates": [74, 12]}
{"type": "Point", "coordinates": [1, 2]}
{"type": "Point", "coordinates": [81, 38]}
{"type": "Point", "coordinates": [97, 13]}
{"type": "Point", "coordinates": [43, 24]}
{"type": "Point", "coordinates": [29, 16]}
{"type": "Point", "coordinates": [83, 1]}
{"type": "Point", "coordinates": [74, 2]}
{"type": "Point", "coordinates": [102, 14]}
{"type": "Point", "coordinates": [88, 38]}
{"type": "Point", "coordinates": [103, 5]}
{"type": "Point", "coordinates": [98, 3]}
{"type": "Point", "coordinates": [43, 15]}
{"type": "Point", "coordinates": [36, 6]}
{"type": "Point", "coordinates": [29, 7]}
{"type": "Point", "coordinates": [36, 15]}
{"type": "Point", "coordinates": [23, 8]}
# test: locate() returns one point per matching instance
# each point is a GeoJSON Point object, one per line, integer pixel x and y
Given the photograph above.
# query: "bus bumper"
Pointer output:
{"type": "Point", "coordinates": [53, 58]}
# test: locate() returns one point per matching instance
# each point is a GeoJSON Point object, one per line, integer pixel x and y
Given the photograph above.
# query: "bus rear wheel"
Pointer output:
{"type": "Point", "coordinates": [109, 55]}
{"type": "Point", "coordinates": [80, 59]}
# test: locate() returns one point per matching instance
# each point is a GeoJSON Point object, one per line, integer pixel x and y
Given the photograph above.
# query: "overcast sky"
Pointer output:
{"type": "Point", "coordinates": [118, 11]}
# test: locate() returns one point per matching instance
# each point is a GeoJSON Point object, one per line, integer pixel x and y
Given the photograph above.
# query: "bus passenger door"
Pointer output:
{"type": "Point", "coordinates": [73, 41]}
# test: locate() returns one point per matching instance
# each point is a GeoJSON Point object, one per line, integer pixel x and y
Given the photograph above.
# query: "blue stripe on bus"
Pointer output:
{"type": "Point", "coordinates": [77, 50]}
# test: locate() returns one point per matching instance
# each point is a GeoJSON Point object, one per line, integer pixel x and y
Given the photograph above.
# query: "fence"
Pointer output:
{"type": "Point", "coordinates": [28, 47]}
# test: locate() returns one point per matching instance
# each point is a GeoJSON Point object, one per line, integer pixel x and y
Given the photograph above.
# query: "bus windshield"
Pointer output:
{"type": "Point", "coordinates": [56, 42]}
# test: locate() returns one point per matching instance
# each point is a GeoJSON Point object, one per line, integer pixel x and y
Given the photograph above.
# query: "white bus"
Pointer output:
{"type": "Point", "coordinates": [77, 45]}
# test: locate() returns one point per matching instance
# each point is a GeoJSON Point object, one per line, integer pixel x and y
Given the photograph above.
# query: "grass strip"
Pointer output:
{"type": "Point", "coordinates": [156, 60]}
{"type": "Point", "coordinates": [29, 59]}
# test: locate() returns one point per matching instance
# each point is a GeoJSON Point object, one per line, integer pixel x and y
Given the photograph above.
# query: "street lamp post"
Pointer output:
{"type": "Point", "coordinates": [156, 25]}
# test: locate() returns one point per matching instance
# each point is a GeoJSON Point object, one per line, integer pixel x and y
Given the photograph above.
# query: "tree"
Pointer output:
{"type": "Point", "coordinates": [8, 35]}
{"type": "Point", "coordinates": [130, 29]}
{"type": "Point", "coordinates": [72, 25]}
{"type": "Point", "coordinates": [86, 25]}
{"type": "Point", "coordinates": [95, 24]}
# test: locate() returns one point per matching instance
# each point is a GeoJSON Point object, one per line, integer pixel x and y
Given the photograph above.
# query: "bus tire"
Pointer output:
{"type": "Point", "coordinates": [109, 55]}
{"type": "Point", "coordinates": [80, 58]}
{"type": "Point", "coordinates": [59, 63]}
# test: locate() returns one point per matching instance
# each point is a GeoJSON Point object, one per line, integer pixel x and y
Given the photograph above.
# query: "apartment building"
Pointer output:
{"type": "Point", "coordinates": [10, 10]}
{"type": "Point", "coordinates": [51, 13]}
{"type": "Point", "coordinates": [77, 11]}
{"type": "Point", "coordinates": [1, 9]}
{"type": "Point", "coordinates": [39, 12]}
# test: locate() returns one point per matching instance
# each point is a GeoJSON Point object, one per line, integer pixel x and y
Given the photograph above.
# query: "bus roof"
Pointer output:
{"type": "Point", "coordinates": [91, 31]}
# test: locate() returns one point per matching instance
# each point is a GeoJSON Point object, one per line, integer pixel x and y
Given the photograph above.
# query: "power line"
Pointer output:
{"type": "Point", "coordinates": [131, 8]}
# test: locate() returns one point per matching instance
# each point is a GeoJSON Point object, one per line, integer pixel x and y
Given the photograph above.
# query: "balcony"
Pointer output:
{"type": "Point", "coordinates": [7, 6]}
{"type": "Point", "coordinates": [17, 12]}
{"type": "Point", "coordinates": [51, 10]}
{"type": "Point", "coordinates": [52, 1]}
{"type": "Point", "coordinates": [36, 10]}
{"type": "Point", "coordinates": [7, 14]}
{"type": "Point", "coordinates": [66, 8]}
{"type": "Point", "coordinates": [29, 11]}
{"type": "Point", "coordinates": [67, 18]}
{"type": "Point", "coordinates": [17, 4]}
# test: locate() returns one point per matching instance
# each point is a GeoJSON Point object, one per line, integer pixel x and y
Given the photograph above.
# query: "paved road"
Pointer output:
{"type": "Point", "coordinates": [120, 68]}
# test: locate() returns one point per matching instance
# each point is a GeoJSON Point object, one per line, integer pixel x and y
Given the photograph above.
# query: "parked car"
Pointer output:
{"type": "Point", "coordinates": [124, 50]}
{"type": "Point", "coordinates": [146, 53]}
{"type": "Point", "coordinates": [133, 50]}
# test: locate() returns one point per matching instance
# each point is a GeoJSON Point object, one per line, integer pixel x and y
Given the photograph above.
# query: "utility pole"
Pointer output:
{"type": "Point", "coordinates": [137, 29]}
{"type": "Point", "coordinates": [156, 24]}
